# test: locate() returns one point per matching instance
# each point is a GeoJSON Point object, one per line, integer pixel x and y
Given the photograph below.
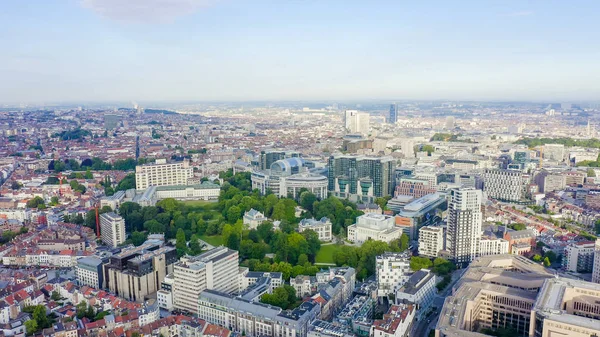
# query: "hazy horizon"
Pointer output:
{"type": "Point", "coordinates": [234, 50]}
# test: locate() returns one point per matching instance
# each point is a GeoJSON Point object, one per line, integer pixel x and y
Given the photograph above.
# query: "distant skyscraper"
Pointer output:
{"type": "Point", "coordinates": [393, 114]}
{"type": "Point", "coordinates": [450, 122]}
{"type": "Point", "coordinates": [357, 122]}
{"type": "Point", "coordinates": [464, 224]}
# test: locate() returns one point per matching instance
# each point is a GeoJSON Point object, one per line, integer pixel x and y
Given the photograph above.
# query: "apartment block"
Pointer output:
{"type": "Point", "coordinates": [431, 240]}
{"type": "Point", "coordinates": [112, 229]}
{"type": "Point", "coordinates": [162, 173]}
{"type": "Point", "coordinates": [215, 269]}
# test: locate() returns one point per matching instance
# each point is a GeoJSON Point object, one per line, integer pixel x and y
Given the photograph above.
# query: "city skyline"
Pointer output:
{"type": "Point", "coordinates": [235, 51]}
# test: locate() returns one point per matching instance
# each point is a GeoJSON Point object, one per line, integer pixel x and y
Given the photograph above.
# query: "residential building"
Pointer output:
{"type": "Point", "coordinates": [113, 201]}
{"type": "Point", "coordinates": [504, 185]}
{"type": "Point", "coordinates": [492, 246]}
{"type": "Point", "coordinates": [596, 270]}
{"type": "Point", "coordinates": [361, 178]}
{"type": "Point", "coordinates": [393, 270]}
{"type": "Point", "coordinates": [322, 227]}
{"type": "Point", "coordinates": [464, 222]}
{"type": "Point", "coordinates": [304, 285]}
{"type": "Point", "coordinates": [253, 218]}
{"type": "Point", "coordinates": [215, 269]}
{"type": "Point", "coordinates": [248, 278]}
{"type": "Point", "coordinates": [357, 315]}
{"type": "Point", "coordinates": [431, 240]}
{"type": "Point", "coordinates": [319, 328]}
{"type": "Point", "coordinates": [137, 272]}
{"type": "Point", "coordinates": [419, 290]}
{"type": "Point", "coordinates": [89, 272]}
{"type": "Point", "coordinates": [374, 226]}
{"type": "Point", "coordinates": [112, 229]}
{"type": "Point", "coordinates": [578, 257]}
{"type": "Point", "coordinates": [397, 322]}
{"type": "Point", "coordinates": [253, 318]}
{"type": "Point", "coordinates": [162, 173]}
{"type": "Point", "coordinates": [164, 296]}
{"type": "Point", "coordinates": [554, 152]}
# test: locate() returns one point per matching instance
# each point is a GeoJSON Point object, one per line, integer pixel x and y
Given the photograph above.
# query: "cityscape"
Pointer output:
{"type": "Point", "coordinates": [305, 213]}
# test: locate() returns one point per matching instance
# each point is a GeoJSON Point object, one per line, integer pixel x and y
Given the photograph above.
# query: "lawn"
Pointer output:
{"type": "Point", "coordinates": [215, 240]}
{"type": "Point", "coordinates": [325, 254]}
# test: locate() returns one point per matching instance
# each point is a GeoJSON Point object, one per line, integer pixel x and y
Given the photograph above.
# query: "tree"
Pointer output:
{"type": "Point", "coordinates": [428, 148]}
{"type": "Point", "coordinates": [40, 316]}
{"type": "Point", "coordinates": [90, 219]}
{"type": "Point", "coordinates": [517, 226]}
{"type": "Point", "coordinates": [537, 258]}
{"type": "Point", "coordinates": [302, 259]}
{"type": "Point", "coordinates": [138, 238]}
{"type": "Point", "coordinates": [35, 202]}
{"type": "Point", "coordinates": [442, 266]}
{"type": "Point", "coordinates": [550, 255]}
{"type": "Point", "coordinates": [31, 326]}
{"type": "Point", "coordinates": [314, 244]}
{"type": "Point", "coordinates": [54, 201]}
{"type": "Point", "coordinates": [234, 214]}
{"type": "Point", "coordinates": [180, 243]}
{"type": "Point", "coordinates": [55, 296]}
{"type": "Point", "coordinates": [265, 231]}
{"type": "Point", "coordinates": [547, 262]}
{"type": "Point", "coordinates": [195, 248]}
{"type": "Point", "coordinates": [418, 263]}
{"type": "Point", "coordinates": [15, 185]}
{"type": "Point", "coordinates": [591, 172]}
{"type": "Point", "coordinates": [307, 200]}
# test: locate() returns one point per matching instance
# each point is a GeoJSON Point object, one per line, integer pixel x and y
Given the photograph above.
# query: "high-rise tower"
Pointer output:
{"type": "Point", "coordinates": [464, 224]}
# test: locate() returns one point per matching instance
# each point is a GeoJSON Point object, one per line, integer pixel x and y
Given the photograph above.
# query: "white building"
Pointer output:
{"type": "Point", "coordinates": [492, 246]}
{"type": "Point", "coordinates": [248, 278]}
{"type": "Point", "coordinates": [253, 218]}
{"type": "Point", "coordinates": [431, 240]}
{"type": "Point", "coordinates": [393, 270]}
{"type": "Point", "coordinates": [162, 173]}
{"type": "Point", "coordinates": [112, 229]}
{"type": "Point", "coordinates": [215, 269]}
{"type": "Point", "coordinates": [419, 289]}
{"type": "Point", "coordinates": [579, 257]}
{"type": "Point", "coordinates": [463, 231]}
{"type": "Point", "coordinates": [113, 201]}
{"type": "Point", "coordinates": [322, 227]}
{"type": "Point", "coordinates": [164, 296]}
{"type": "Point", "coordinates": [204, 191]}
{"type": "Point", "coordinates": [596, 272]}
{"type": "Point", "coordinates": [505, 185]}
{"type": "Point", "coordinates": [554, 152]}
{"type": "Point", "coordinates": [255, 319]}
{"type": "Point", "coordinates": [357, 122]}
{"type": "Point", "coordinates": [374, 226]}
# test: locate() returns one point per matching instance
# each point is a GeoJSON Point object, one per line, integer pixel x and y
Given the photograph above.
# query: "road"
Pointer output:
{"type": "Point", "coordinates": [422, 328]}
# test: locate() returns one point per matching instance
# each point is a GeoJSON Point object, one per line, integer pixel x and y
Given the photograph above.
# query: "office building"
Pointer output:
{"type": "Point", "coordinates": [397, 322]}
{"type": "Point", "coordinates": [255, 319]}
{"type": "Point", "coordinates": [359, 178]}
{"type": "Point", "coordinates": [504, 185]}
{"type": "Point", "coordinates": [204, 191]}
{"type": "Point", "coordinates": [113, 201]}
{"type": "Point", "coordinates": [494, 292]}
{"type": "Point", "coordinates": [112, 229]}
{"type": "Point", "coordinates": [393, 117]}
{"type": "Point", "coordinates": [578, 257]}
{"type": "Point", "coordinates": [464, 224]}
{"type": "Point", "coordinates": [357, 122]}
{"type": "Point", "coordinates": [89, 272]}
{"type": "Point", "coordinates": [215, 269]}
{"type": "Point", "coordinates": [288, 178]}
{"type": "Point", "coordinates": [393, 270]}
{"type": "Point", "coordinates": [596, 270]}
{"type": "Point", "coordinates": [431, 241]}
{"type": "Point", "coordinates": [111, 122]}
{"type": "Point", "coordinates": [425, 211]}
{"type": "Point", "coordinates": [322, 227]}
{"type": "Point", "coordinates": [162, 173]}
{"type": "Point", "coordinates": [554, 152]}
{"type": "Point", "coordinates": [268, 157]}
{"type": "Point", "coordinates": [449, 123]}
{"type": "Point", "coordinates": [420, 290]}
{"type": "Point", "coordinates": [137, 272]}
{"type": "Point", "coordinates": [566, 307]}
{"type": "Point", "coordinates": [416, 188]}
{"type": "Point", "coordinates": [374, 226]}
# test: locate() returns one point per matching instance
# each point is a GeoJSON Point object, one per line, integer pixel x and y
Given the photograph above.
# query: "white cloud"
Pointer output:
{"type": "Point", "coordinates": [521, 13]}
{"type": "Point", "coordinates": [145, 11]}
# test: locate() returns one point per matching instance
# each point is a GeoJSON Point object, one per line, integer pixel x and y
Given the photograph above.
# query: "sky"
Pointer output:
{"type": "Point", "coordinates": [237, 50]}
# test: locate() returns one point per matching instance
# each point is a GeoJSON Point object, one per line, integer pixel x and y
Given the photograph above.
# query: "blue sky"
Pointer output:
{"type": "Point", "coordinates": [140, 50]}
